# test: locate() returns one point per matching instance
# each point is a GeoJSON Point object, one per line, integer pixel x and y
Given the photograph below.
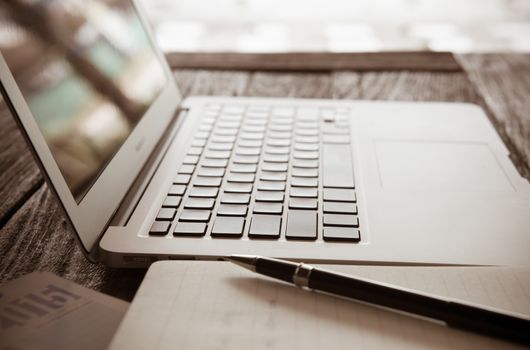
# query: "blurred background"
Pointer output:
{"type": "Point", "coordinates": [341, 25]}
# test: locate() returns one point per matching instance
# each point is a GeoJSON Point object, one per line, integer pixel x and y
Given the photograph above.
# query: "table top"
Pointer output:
{"type": "Point", "coordinates": [33, 231]}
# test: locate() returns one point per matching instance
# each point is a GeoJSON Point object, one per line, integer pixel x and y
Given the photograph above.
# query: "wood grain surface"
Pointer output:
{"type": "Point", "coordinates": [33, 234]}
{"type": "Point", "coordinates": [315, 61]}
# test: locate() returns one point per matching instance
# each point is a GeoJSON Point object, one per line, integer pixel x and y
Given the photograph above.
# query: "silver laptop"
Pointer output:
{"type": "Point", "coordinates": [143, 174]}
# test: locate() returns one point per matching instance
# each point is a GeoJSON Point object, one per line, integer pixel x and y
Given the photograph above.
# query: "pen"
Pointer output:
{"type": "Point", "coordinates": [452, 313]}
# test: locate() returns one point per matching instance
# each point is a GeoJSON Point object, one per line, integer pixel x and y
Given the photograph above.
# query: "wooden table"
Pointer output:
{"type": "Point", "coordinates": [33, 233]}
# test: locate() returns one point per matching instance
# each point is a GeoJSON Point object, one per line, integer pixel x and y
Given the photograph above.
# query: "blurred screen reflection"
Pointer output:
{"type": "Point", "coordinates": [88, 73]}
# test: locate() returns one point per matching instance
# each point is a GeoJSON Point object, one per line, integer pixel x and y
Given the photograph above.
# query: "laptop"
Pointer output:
{"type": "Point", "coordinates": [143, 174]}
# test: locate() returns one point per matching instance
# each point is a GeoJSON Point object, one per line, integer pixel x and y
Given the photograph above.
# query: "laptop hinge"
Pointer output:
{"type": "Point", "coordinates": [140, 184]}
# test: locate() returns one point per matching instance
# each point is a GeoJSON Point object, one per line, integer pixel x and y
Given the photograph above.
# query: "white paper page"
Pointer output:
{"type": "Point", "coordinates": [216, 305]}
{"type": "Point", "coordinates": [44, 311]}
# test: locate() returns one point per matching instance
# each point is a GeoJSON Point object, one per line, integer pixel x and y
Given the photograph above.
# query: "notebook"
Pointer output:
{"type": "Point", "coordinates": [212, 305]}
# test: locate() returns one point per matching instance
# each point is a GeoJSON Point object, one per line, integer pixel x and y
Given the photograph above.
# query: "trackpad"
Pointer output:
{"type": "Point", "coordinates": [439, 166]}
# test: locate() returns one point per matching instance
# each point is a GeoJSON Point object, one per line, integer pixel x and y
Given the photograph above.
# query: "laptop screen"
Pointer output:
{"type": "Point", "coordinates": [88, 73]}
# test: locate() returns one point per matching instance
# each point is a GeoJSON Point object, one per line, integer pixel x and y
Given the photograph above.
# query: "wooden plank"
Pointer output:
{"type": "Point", "coordinates": [36, 239]}
{"type": "Point", "coordinates": [19, 175]}
{"type": "Point", "coordinates": [314, 61]}
{"type": "Point", "coordinates": [504, 82]}
{"type": "Point", "coordinates": [290, 85]}
{"type": "Point", "coordinates": [206, 83]}
{"type": "Point", "coordinates": [404, 86]}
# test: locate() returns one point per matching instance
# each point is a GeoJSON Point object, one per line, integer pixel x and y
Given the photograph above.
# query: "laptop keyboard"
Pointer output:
{"type": "Point", "coordinates": [265, 172]}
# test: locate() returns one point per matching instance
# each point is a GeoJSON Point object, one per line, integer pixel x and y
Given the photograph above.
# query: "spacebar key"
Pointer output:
{"type": "Point", "coordinates": [337, 167]}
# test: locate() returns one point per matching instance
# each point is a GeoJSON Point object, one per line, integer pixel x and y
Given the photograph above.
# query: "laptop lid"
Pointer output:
{"type": "Point", "coordinates": [92, 94]}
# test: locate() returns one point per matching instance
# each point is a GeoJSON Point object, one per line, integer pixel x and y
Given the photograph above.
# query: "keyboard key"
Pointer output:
{"type": "Point", "coordinates": [305, 163]}
{"type": "Point", "coordinates": [254, 128]}
{"type": "Point", "coordinates": [304, 182]}
{"type": "Point", "coordinates": [276, 158]}
{"type": "Point", "coordinates": [195, 215]}
{"type": "Point", "coordinates": [269, 196]}
{"type": "Point", "coordinates": [305, 155]}
{"type": "Point", "coordinates": [268, 208]}
{"type": "Point", "coordinates": [307, 125]}
{"type": "Point", "coordinates": [217, 154]}
{"type": "Point", "coordinates": [202, 135]}
{"type": "Point", "coordinates": [201, 181]}
{"type": "Point", "coordinates": [341, 234]}
{"type": "Point", "coordinates": [199, 203]}
{"type": "Point", "coordinates": [307, 139]}
{"type": "Point", "coordinates": [226, 226]}
{"type": "Point", "coordinates": [279, 142]}
{"type": "Point", "coordinates": [340, 208]}
{"type": "Point", "coordinates": [273, 176]}
{"type": "Point", "coordinates": [189, 229]}
{"type": "Point", "coordinates": [159, 228]}
{"type": "Point", "coordinates": [278, 167]}
{"type": "Point", "coordinates": [271, 186]}
{"type": "Point", "coordinates": [304, 172]}
{"type": "Point", "coordinates": [193, 160]}
{"type": "Point", "coordinates": [198, 143]}
{"type": "Point", "coordinates": [241, 177]}
{"type": "Point", "coordinates": [245, 159]}
{"type": "Point", "coordinates": [277, 150]}
{"type": "Point", "coordinates": [341, 220]}
{"type": "Point", "coordinates": [232, 210]}
{"type": "Point", "coordinates": [171, 202]}
{"type": "Point", "coordinates": [226, 132]}
{"type": "Point", "coordinates": [243, 168]}
{"type": "Point", "coordinates": [166, 214]}
{"type": "Point", "coordinates": [279, 135]}
{"type": "Point", "coordinates": [301, 224]}
{"type": "Point", "coordinates": [265, 226]}
{"type": "Point", "coordinates": [224, 139]}
{"type": "Point", "coordinates": [251, 135]}
{"type": "Point", "coordinates": [303, 203]}
{"type": "Point", "coordinates": [280, 127]}
{"type": "Point", "coordinates": [339, 195]}
{"type": "Point", "coordinates": [242, 151]}
{"type": "Point", "coordinates": [250, 143]}
{"type": "Point", "coordinates": [235, 187]}
{"type": "Point", "coordinates": [205, 128]}
{"type": "Point", "coordinates": [182, 179]}
{"type": "Point", "coordinates": [306, 192]}
{"type": "Point", "coordinates": [214, 163]}
{"type": "Point", "coordinates": [235, 198]}
{"type": "Point", "coordinates": [204, 192]}
{"type": "Point", "coordinates": [337, 167]}
{"type": "Point", "coordinates": [220, 146]}
{"type": "Point", "coordinates": [306, 147]}
{"type": "Point", "coordinates": [195, 151]}
{"type": "Point", "coordinates": [214, 172]}
{"type": "Point", "coordinates": [228, 124]}
{"type": "Point", "coordinates": [176, 190]}
{"type": "Point", "coordinates": [187, 169]}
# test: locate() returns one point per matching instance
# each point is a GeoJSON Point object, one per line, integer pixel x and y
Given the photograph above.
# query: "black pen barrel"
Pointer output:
{"type": "Point", "coordinates": [454, 314]}
{"type": "Point", "coordinates": [282, 270]}
{"type": "Point", "coordinates": [489, 323]}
